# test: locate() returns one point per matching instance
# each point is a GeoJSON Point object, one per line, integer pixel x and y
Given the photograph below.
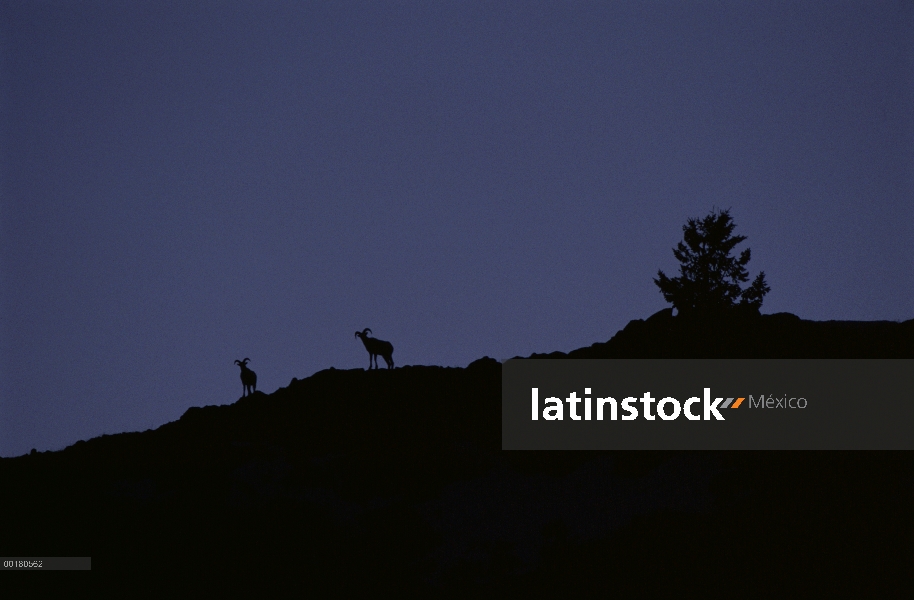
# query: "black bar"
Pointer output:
{"type": "Point", "coordinates": [43, 563]}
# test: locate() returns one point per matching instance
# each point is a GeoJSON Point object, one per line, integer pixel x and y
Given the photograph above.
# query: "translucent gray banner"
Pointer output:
{"type": "Point", "coordinates": [41, 563]}
{"type": "Point", "coordinates": [708, 404]}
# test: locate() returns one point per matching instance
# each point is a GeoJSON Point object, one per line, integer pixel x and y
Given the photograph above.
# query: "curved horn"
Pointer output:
{"type": "Point", "coordinates": [246, 361]}
{"type": "Point", "coordinates": [366, 331]}
{"type": "Point", "coordinates": [357, 334]}
{"type": "Point", "coordinates": [237, 362]}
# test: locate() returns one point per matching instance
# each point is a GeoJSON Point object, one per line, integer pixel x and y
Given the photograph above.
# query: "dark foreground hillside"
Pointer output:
{"type": "Point", "coordinates": [780, 335]}
{"type": "Point", "coordinates": [351, 482]}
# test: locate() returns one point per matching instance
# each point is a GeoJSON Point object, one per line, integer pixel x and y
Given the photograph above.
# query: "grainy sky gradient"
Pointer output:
{"type": "Point", "coordinates": [187, 183]}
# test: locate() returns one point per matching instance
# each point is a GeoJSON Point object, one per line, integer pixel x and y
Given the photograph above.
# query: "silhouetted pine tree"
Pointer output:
{"type": "Point", "coordinates": [709, 278]}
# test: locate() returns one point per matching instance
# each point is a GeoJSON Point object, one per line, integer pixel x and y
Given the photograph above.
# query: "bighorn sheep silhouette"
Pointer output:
{"type": "Point", "coordinates": [248, 377]}
{"type": "Point", "coordinates": [376, 347]}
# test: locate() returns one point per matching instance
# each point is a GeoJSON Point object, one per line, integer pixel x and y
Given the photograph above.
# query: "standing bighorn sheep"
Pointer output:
{"type": "Point", "coordinates": [248, 377]}
{"type": "Point", "coordinates": [376, 347]}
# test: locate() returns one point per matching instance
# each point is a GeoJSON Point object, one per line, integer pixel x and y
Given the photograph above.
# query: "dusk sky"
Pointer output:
{"type": "Point", "coordinates": [184, 184]}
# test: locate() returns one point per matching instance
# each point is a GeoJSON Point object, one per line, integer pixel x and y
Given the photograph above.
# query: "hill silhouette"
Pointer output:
{"type": "Point", "coordinates": [352, 481]}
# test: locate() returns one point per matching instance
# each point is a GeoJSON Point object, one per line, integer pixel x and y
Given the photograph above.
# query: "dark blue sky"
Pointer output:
{"type": "Point", "coordinates": [187, 183]}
